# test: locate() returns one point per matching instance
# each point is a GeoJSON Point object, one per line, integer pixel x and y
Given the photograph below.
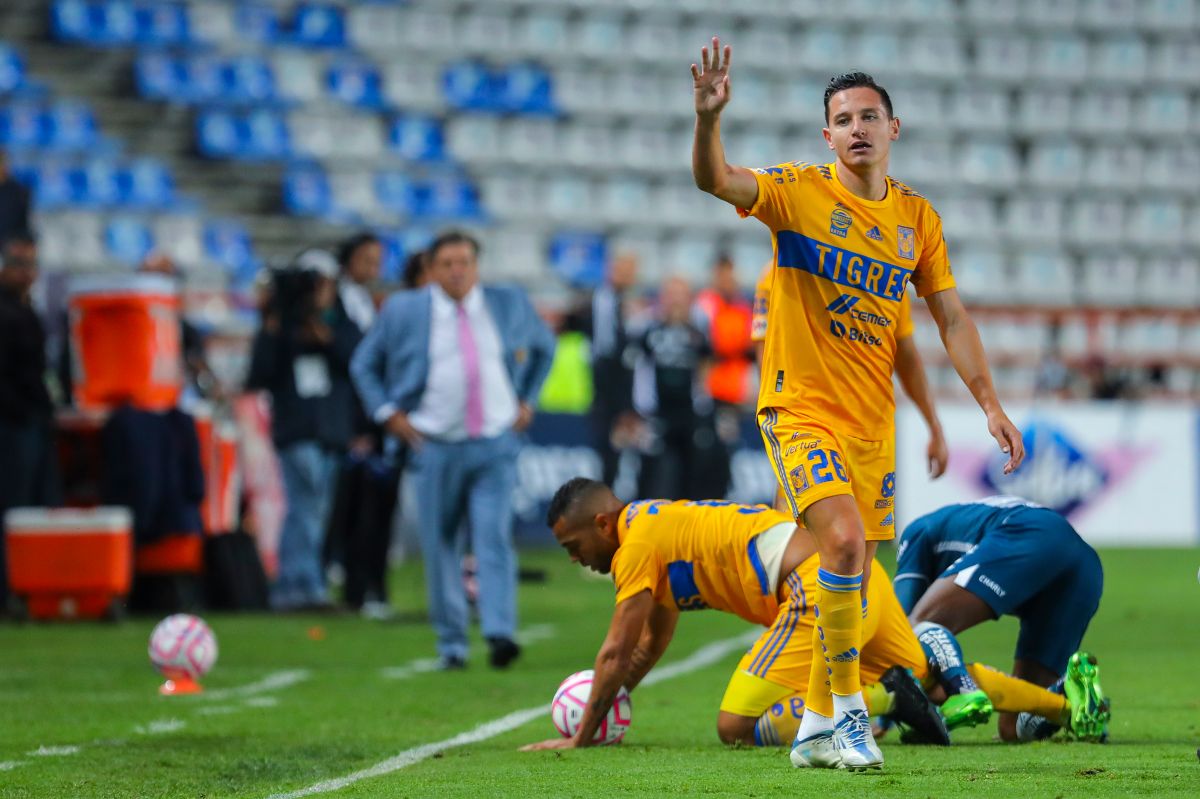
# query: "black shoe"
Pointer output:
{"type": "Point", "coordinates": [504, 651]}
{"type": "Point", "coordinates": [914, 709]}
{"type": "Point", "coordinates": [451, 663]}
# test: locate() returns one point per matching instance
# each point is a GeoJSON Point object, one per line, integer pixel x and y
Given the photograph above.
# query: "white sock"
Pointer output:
{"type": "Point", "coordinates": [844, 704]}
{"type": "Point", "coordinates": [813, 723]}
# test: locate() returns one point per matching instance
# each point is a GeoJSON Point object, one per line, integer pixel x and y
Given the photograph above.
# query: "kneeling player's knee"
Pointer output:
{"type": "Point", "coordinates": [733, 729]}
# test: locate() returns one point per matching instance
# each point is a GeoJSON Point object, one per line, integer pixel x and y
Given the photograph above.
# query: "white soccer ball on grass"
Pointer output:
{"type": "Point", "coordinates": [571, 699]}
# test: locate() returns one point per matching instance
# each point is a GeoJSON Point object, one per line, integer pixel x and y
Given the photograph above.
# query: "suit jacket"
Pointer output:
{"type": "Point", "coordinates": [391, 364]}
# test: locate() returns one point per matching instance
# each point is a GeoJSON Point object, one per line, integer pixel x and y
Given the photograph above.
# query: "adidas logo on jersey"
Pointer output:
{"type": "Point", "coordinates": [874, 233]}
{"type": "Point", "coordinates": [849, 656]}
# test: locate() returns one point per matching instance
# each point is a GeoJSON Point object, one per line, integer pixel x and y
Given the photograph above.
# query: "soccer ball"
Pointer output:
{"type": "Point", "coordinates": [571, 699]}
{"type": "Point", "coordinates": [183, 646]}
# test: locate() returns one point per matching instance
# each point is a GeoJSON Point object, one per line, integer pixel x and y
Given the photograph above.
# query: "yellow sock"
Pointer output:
{"type": "Point", "coordinates": [819, 699]}
{"type": "Point", "coordinates": [879, 701]}
{"type": "Point", "coordinates": [778, 726]}
{"type": "Point", "coordinates": [1011, 694]}
{"type": "Point", "coordinates": [839, 600]}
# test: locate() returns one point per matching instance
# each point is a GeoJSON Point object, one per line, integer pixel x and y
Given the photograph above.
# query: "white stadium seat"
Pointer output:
{"type": "Point", "coordinates": [1166, 16]}
{"type": "Point", "coordinates": [1039, 15]}
{"type": "Point", "coordinates": [983, 276]}
{"type": "Point", "coordinates": [1044, 278]}
{"type": "Point", "coordinates": [979, 110]}
{"type": "Point", "coordinates": [1170, 281]}
{"type": "Point", "coordinates": [1103, 111]}
{"type": "Point", "coordinates": [1034, 220]}
{"type": "Point", "coordinates": [1110, 279]}
{"type": "Point", "coordinates": [1156, 224]}
{"type": "Point", "coordinates": [1002, 58]}
{"type": "Point", "coordinates": [1055, 165]}
{"type": "Point", "coordinates": [1109, 15]}
{"type": "Point", "coordinates": [1121, 59]}
{"type": "Point", "coordinates": [1096, 223]}
{"type": "Point", "coordinates": [1176, 61]}
{"type": "Point", "coordinates": [989, 164]}
{"type": "Point", "coordinates": [1043, 111]}
{"type": "Point", "coordinates": [473, 137]}
{"type": "Point", "coordinates": [1168, 110]}
{"type": "Point", "coordinates": [414, 87]}
{"type": "Point", "coordinates": [376, 28]}
{"type": "Point", "coordinates": [1114, 167]}
{"type": "Point", "coordinates": [1061, 57]}
{"type": "Point", "coordinates": [531, 141]}
{"type": "Point", "coordinates": [969, 219]}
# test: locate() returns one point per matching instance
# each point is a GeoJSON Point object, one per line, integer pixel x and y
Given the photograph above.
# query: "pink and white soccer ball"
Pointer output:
{"type": "Point", "coordinates": [571, 699]}
{"type": "Point", "coordinates": [183, 645]}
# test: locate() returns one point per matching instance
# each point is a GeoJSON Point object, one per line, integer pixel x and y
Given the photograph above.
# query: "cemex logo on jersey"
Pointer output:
{"type": "Point", "coordinates": [1058, 472]}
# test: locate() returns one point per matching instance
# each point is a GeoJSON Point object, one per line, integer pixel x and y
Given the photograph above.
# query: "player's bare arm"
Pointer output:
{"type": "Point", "coordinates": [614, 664]}
{"type": "Point", "coordinates": [660, 629]}
{"type": "Point", "coordinates": [911, 371]}
{"type": "Point", "coordinates": [710, 84]}
{"type": "Point", "coordinates": [961, 339]}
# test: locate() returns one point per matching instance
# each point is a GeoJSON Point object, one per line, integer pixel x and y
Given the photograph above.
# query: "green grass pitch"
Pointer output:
{"type": "Point", "coordinates": [90, 686]}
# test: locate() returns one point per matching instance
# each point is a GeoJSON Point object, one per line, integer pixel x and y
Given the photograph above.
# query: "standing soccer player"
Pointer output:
{"type": "Point", "coordinates": [848, 239]}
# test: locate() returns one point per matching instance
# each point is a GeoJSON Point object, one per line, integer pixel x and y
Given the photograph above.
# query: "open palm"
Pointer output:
{"type": "Point", "coordinates": [710, 79]}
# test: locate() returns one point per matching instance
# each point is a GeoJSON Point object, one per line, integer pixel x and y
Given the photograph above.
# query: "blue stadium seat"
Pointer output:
{"type": "Point", "coordinates": [146, 183]}
{"type": "Point", "coordinates": [128, 240]}
{"type": "Point", "coordinates": [258, 22]}
{"type": "Point", "coordinates": [99, 184]}
{"type": "Point", "coordinates": [95, 22]}
{"type": "Point", "coordinates": [69, 125]}
{"type": "Point", "coordinates": [579, 258]}
{"type": "Point", "coordinates": [417, 138]}
{"type": "Point", "coordinates": [319, 25]}
{"type": "Point", "coordinates": [218, 134]}
{"type": "Point", "coordinates": [159, 76]}
{"type": "Point", "coordinates": [12, 70]}
{"type": "Point", "coordinates": [160, 23]}
{"type": "Point", "coordinates": [258, 136]}
{"type": "Point", "coordinates": [447, 198]}
{"type": "Point", "coordinates": [306, 192]}
{"type": "Point", "coordinates": [21, 126]}
{"type": "Point", "coordinates": [227, 243]}
{"type": "Point", "coordinates": [526, 89]}
{"type": "Point", "coordinates": [395, 193]}
{"type": "Point", "coordinates": [356, 82]}
{"type": "Point", "coordinates": [470, 86]}
{"type": "Point", "coordinates": [248, 79]}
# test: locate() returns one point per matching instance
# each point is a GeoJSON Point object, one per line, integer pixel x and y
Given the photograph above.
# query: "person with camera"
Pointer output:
{"type": "Point", "coordinates": [301, 357]}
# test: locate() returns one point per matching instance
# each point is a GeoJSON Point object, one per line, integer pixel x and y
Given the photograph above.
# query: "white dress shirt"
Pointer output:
{"type": "Point", "coordinates": [356, 299]}
{"type": "Point", "coordinates": [442, 411]}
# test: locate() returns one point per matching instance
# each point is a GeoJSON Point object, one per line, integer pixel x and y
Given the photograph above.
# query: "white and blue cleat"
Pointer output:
{"type": "Point", "coordinates": [816, 751]}
{"type": "Point", "coordinates": [856, 747]}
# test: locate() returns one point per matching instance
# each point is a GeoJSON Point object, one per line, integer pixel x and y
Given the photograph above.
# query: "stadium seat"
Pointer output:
{"type": "Point", "coordinates": [920, 107]}
{"type": "Point", "coordinates": [969, 219]}
{"type": "Point", "coordinates": [69, 126]}
{"type": "Point", "coordinates": [514, 196]}
{"type": "Point", "coordinates": [582, 141]}
{"type": "Point", "coordinates": [1170, 281]}
{"type": "Point", "coordinates": [258, 23]}
{"type": "Point", "coordinates": [624, 200]}
{"type": "Point", "coordinates": [181, 237]}
{"type": "Point", "coordinates": [1108, 15]}
{"type": "Point", "coordinates": [924, 164]}
{"type": "Point", "coordinates": [689, 255]}
{"type": "Point", "coordinates": [1166, 16]}
{"type": "Point", "coordinates": [318, 25]}
{"type": "Point", "coordinates": [446, 198]}
{"type": "Point", "coordinates": [823, 48]}
{"type": "Point", "coordinates": [990, 164]}
{"type": "Point", "coordinates": [1155, 224]}
{"type": "Point", "coordinates": [334, 137]}
{"type": "Point", "coordinates": [227, 243]}
{"type": "Point", "coordinates": [1110, 279]}
{"type": "Point", "coordinates": [12, 70]}
{"type": "Point", "coordinates": [1003, 58]}
{"type": "Point", "coordinates": [298, 76]}
{"type": "Point", "coordinates": [356, 198]}
{"type": "Point", "coordinates": [765, 44]}
{"type": "Point", "coordinates": [1096, 223]}
{"type": "Point", "coordinates": [876, 51]}
{"type": "Point", "coordinates": [754, 147]}
{"type": "Point", "coordinates": [1055, 165]}
{"type": "Point", "coordinates": [1169, 108]}
{"type": "Point", "coordinates": [416, 87]}
{"type": "Point", "coordinates": [1044, 111]}
{"type": "Point", "coordinates": [146, 183]}
{"type": "Point", "coordinates": [470, 86]}
{"type": "Point", "coordinates": [128, 240]}
{"type": "Point", "coordinates": [306, 192]}
{"type": "Point", "coordinates": [598, 34]}
{"type": "Point", "coordinates": [983, 276]}
{"type": "Point", "coordinates": [989, 16]}
{"type": "Point", "coordinates": [749, 254]}
{"type": "Point", "coordinates": [1122, 59]}
{"type": "Point", "coordinates": [1060, 57]}
{"type": "Point", "coordinates": [355, 82]}
{"type": "Point", "coordinates": [571, 199]}
{"type": "Point", "coordinates": [71, 240]}
{"type": "Point", "coordinates": [1044, 278]}
{"type": "Point", "coordinates": [936, 56]}
{"type": "Point", "coordinates": [161, 24]}
{"type": "Point", "coordinates": [1175, 61]}
{"type": "Point", "coordinates": [266, 136]}
{"type": "Point", "coordinates": [524, 89]}
{"type": "Point", "coordinates": [1034, 220]}
{"type": "Point", "coordinates": [579, 258]}
{"type": "Point", "coordinates": [654, 37]}
{"type": "Point", "coordinates": [542, 32]}
{"type": "Point", "coordinates": [530, 141]}
{"type": "Point", "coordinates": [473, 138]}
{"type": "Point", "coordinates": [1039, 15]}
{"type": "Point", "coordinates": [213, 22]}
{"type": "Point", "coordinates": [417, 138]}
{"type": "Point", "coordinates": [1113, 167]}
{"type": "Point", "coordinates": [978, 110]}
{"type": "Point", "coordinates": [374, 27]}
{"type": "Point", "coordinates": [513, 254]}
{"type": "Point", "coordinates": [94, 22]}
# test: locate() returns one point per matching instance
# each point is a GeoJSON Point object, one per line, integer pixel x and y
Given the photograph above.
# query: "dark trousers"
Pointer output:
{"type": "Point", "coordinates": [361, 526]}
{"type": "Point", "coordinates": [28, 477]}
{"type": "Point", "coordinates": [687, 460]}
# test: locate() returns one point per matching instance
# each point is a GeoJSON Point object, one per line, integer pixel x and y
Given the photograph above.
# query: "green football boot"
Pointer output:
{"type": "Point", "coordinates": [967, 710]}
{"type": "Point", "coordinates": [1090, 710]}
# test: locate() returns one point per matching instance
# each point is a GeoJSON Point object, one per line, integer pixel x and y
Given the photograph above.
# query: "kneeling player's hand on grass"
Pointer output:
{"type": "Point", "coordinates": [552, 743]}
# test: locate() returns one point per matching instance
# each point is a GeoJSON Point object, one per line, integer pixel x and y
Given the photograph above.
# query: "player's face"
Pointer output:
{"type": "Point", "coordinates": [860, 130]}
{"type": "Point", "coordinates": [585, 546]}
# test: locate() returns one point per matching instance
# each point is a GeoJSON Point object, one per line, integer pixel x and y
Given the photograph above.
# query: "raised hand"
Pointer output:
{"type": "Point", "coordinates": [710, 80]}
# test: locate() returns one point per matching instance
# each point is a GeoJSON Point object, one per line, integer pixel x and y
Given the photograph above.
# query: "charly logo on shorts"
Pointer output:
{"type": "Point", "coordinates": [840, 221]}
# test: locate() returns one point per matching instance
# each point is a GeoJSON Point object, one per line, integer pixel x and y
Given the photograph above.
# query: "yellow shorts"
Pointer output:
{"type": "Point", "coordinates": [778, 664]}
{"type": "Point", "coordinates": [812, 462]}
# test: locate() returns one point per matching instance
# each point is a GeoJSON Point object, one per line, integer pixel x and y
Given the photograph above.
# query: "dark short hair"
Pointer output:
{"type": "Point", "coordinates": [569, 496]}
{"type": "Point", "coordinates": [414, 265]}
{"type": "Point", "coordinates": [21, 238]}
{"type": "Point", "coordinates": [348, 247]}
{"type": "Point", "coordinates": [453, 237]}
{"type": "Point", "coordinates": [854, 80]}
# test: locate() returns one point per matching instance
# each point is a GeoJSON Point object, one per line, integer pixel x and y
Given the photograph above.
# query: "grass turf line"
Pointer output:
{"type": "Point", "coordinates": [91, 686]}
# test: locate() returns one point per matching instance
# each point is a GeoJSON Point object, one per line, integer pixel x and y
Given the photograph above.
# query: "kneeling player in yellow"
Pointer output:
{"type": "Point", "coordinates": [751, 561]}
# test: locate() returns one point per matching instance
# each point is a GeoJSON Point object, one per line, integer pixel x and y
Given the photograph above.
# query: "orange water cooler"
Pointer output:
{"type": "Point", "coordinates": [69, 562]}
{"type": "Point", "coordinates": [125, 341]}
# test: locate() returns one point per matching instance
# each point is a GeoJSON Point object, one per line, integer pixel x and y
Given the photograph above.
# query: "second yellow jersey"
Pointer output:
{"type": "Point", "coordinates": [842, 265]}
{"type": "Point", "coordinates": [696, 555]}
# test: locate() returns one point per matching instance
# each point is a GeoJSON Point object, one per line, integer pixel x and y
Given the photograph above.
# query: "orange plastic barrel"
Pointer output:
{"type": "Point", "coordinates": [69, 562]}
{"type": "Point", "coordinates": [125, 341]}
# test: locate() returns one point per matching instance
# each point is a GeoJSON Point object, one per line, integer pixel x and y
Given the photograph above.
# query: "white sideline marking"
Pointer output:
{"type": "Point", "coordinates": [527, 636]}
{"type": "Point", "coordinates": [9, 765]}
{"type": "Point", "coordinates": [53, 751]}
{"type": "Point", "coordinates": [704, 656]}
{"type": "Point", "coordinates": [261, 701]}
{"type": "Point", "coordinates": [217, 710]}
{"type": "Point", "coordinates": [160, 727]}
{"type": "Point", "coordinates": [272, 682]}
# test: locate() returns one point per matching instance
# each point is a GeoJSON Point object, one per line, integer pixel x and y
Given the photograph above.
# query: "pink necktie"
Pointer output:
{"type": "Point", "coordinates": [466, 342]}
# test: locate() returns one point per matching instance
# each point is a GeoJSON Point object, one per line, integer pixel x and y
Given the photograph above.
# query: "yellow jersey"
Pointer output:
{"type": "Point", "coordinates": [842, 265]}
{"type": "Point", "coordinates": [696, 555]}
{"type": "Point", "coordinates": [762, 302]}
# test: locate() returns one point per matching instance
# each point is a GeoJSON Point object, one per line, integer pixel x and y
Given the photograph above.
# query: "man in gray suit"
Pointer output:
{"type": "Point", "coordinates": [454, 370]}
